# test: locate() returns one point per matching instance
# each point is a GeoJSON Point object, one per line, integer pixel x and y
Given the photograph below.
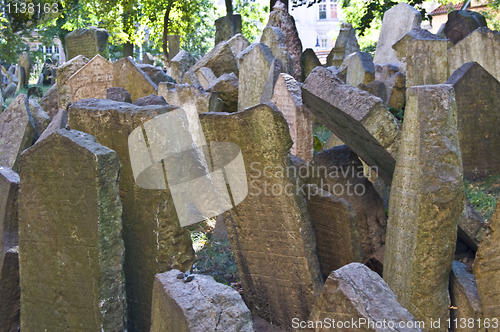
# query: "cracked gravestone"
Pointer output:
{"type": "Point", "coordinates": [92, 80]}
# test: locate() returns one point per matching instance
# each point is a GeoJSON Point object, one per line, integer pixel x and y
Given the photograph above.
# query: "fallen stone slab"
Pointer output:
{"type": "Point", "coordinates": [201, 305]}
{"type": "Point", "coordinates": [356, 117]}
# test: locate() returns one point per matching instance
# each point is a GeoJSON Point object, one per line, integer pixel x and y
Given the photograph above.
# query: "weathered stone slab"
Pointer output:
{"type": "Point", "coordinates": [335, 228]}
{"type": "Point", "coordinates": [486, 268]}
{"type": "Point", "coordinates": [87, 42]}
{"type": "Point", "coordinates": [376, 88]}
{"type": "Point", "coordinates": [118, 94]}
{"type": "Point", "coordinates": [226, 27]}
{"type": "Point", "coordinates": [201, 305]}
{"type": "Point", "coordinates": [461, 23]}
{"type": "Point", "coordinates": [275, 39]}
{"type": "Point", "coordinates": [482, 46]}
{"type": "Point", "coordinates": [478, 104]}
{"type": "Point", "coordinates": [64, 72]}
{"type": "Point", "coordinates": [276, 69]}
{"type": "Point", "coordinates": [465, 303]}
{"type": "Point", "coordinates": [279, 269]}
{"type": "Point", "coordinates": [426, 62]}
{"type": "Point", "coordinates": [226, 87]}
{"type": "Point", "coordinates": [127, 75]}
{"type": "Point", "coordinates": [41, 119]}
{"type": "Point", "coordinates": [92, 80]}
{"type": "Point", "coordinates": [17, 131]}
{"type": "Point", "coordinates": [59, 121]}
{"type": "Point", "coordinates": [150, 100]}
{"type": "Point", "coordinates": [50, 101]}
{"type": "Point", "coordinates": [288, 98]}
{"type": "Point", "coordinates": [238, 43]}
{"type": "Point", "coordinates": [156, 74]}
{"type": "Point", "coordinates": [21, 77]}
{"type": "Point", "coordinates": [308, 61]}
{"type": "Point", "coordinates": [9, 189]}
{"type": "Point", "coordinates": [397, 22]}
{"type": "Point", "coordinates": [10, 292]}
{"type": "Point", "coordinates": [191, 78]}
{"type": "Point", "coordinates": [69, 208]}
{"type": "Point", "coordinates": [354, 293]}
{"type": "Point", "coordinates": [339, 171]}
{"type": "Point", "coordinates": [471, 226]}
{"type": "Point", "coordinates": [360, 69]}
{"type": "Point", "coordinates": [346, 44]}
{"type": "Point", "coordinates": [356, 117]}
{"type": "Point", "coordinates": [427, 198]}
{"type": "Point", "coordinates": [180, 64]}
{"type": "Point", "coordinates": [148, 59]}
{"type": "Point", "coordinates": [220, 59]}
{"type": "Point", "coordinates": [415, 33]}
{"type": "Point", "coordinates": [206, 76]}
{"type": "Point", "coordinates": [254, 63]}
{"type": "Point", "coordinates": [25, 62]}
{"type": "Point", "coordinates": [281, 18]}
{"type": "Point", "coordinates": [10, 90]}
{"type": "Point", "coordinates": [153, 239]}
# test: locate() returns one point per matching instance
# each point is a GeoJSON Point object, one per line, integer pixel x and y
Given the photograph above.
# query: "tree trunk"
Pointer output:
{"type": "Point", "coordinates": [128, 49]}
{"type": "Point", "coordinates": [273, 2]}
{"type": "Point", "coordinates": [229, 7]}
{"type": "Point", "coordinates": [165, 37]}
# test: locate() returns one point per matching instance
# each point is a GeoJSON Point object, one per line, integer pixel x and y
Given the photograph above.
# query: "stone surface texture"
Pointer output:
{"type": "Point", "coordinates": [59, 121]}
{"type": "Point", "coordinates": [127, 75]}
{"type": "Point", "coordinates": [308, 61]}
{"type": "Point", "coordinates": [92, 80]}
{"type": "Point", "coordinates": [220, 59]}
{"type": "Point", "coordinates": [275, 39]}
{"type": "Point", "coordinates": [87, 42]}
{"type": "Point", "coordinates": [462, 23]}
{"type": "Point", "coordinates": [64, 72]}
{"type": "Point", "coordinates": [50, 101]}
{"type": "Point", "coordinates": [346, 44]}
{"type": "Point", "coordinates": [180, 64]}
{"type": "Point", "coordinates": [118, 94]}
{"type": "Point", "coordinates": [238, 43]}
{"type": "Point", "coordinates": [426, 62]}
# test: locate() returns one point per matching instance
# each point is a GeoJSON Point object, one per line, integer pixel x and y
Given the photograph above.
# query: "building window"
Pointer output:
{"type": "Point", "coordinates": [324, 43]}
{"type": "Point", "coordinates": [322, 12]}
{"type": "Point", "coordinates": [56, 49]}
{"type": "Point", "coordinates": [333, 10]}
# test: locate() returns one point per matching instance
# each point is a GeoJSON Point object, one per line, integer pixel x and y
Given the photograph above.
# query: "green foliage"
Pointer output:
{"type": "Point", "coordinates": [399, 113]}
{"type": "Point", "coordinates": [367, 46]}
{"type": "Point", "coordinates": [253, 17]}
{"type": "Point", "coordinates": [320, 136]}
{"type": "Point", "coordinates": [483, 194]}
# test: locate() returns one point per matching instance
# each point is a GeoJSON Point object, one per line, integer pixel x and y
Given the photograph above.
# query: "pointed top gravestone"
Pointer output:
{"type": "Point", "coordinates": [238, 43]}
{"type": "Point", "coordinates": [127, 75]}
{"type": "Point", "coordinates": [92, 80]}
{"type": "Point", "coordinates": [345, 44]}
{"type": "Point", "coordinates": [275, 39]}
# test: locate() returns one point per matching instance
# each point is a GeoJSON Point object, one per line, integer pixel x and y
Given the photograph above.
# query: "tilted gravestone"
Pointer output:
{"type": "Point", "coordinates": [487, 268]}
{"type": "Point", "coordinates": [226, 87]}
{"type": "Point", "coordinates": [70, 236]}
{"type": "Point", "coordinates": [288, 98]}
{"type": "Point", "coordinates": [308, 61]}
{"type": "Point", "coordinates": [154, 241]}
{"type": "Point", "coordinates": [64, 72]}
{"type": "Point", "coordinates": [281, 18]}
{"type": "Point", "coordinates": [9, 261]}
{"type": "Point", "coordinates": [397, 22]}
{"type": "Point", "coordinates": [59, 121]}
{"type": "Point", "coordinates": [478, 104]}
{"type": "Point", "coordinates": [254, 63]}
{"type": "Point", "coordinates": [87, 42]}
{"type": "Point", "coordinates": [50, 101]}
{"type": "Point", "coordinates": [206, 76]}
{"type": "Point", "coordinates": [25, 61]}
{"type": "Point", "coordinates": [478, 46]}
{"type": "Point", "coordinates": [357, 299]}
{"type": "Point", "coordinates": [270, 231]}
{"type": "Point", "coordinates": [200, 305]}
{"type": "Point", "coordinates": [426, 62]}
{"type": "Point", "coordinates": [92, 80]}
{"type": "Point", "coordinates": [180, 64]}
{"type": "Point", "coordinates": [127, 75]}
{"type": "Point", "coordinates": [461, 23]}
{"type": "Point", "coordinates": [346, 44]}
{"type": "Point", "coordinates": [275, 39]}
{"type": "Point", "coordinates": [335, 228]}
{"type": "Point", "coordinates": [41, 119]}
{"type": "Point", "coordinates": [356, 117]}
{"type": "Point", "coordinates": [427, 196]}
{"type": "Point", "coordinates": [276, 69]}
{"type": "Point", "coordinates": [220, 59]}
{"type": "Point", "coordinates": [360, 69]}
{"type": "Point", "coordinates": [17, 131]}
{"type": "Point", "coordinates": [238, 43]}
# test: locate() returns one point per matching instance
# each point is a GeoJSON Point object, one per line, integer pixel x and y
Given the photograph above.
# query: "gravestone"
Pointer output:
{"type": "Point", "coordinates": [276, 69]}
{"type": "Point", "coordinates": [471, 226]}
{"type": "Point", "coordinates": [465, 302]}
{"type": "Point", "coordinates": [50, 101]}
{"type": "Point", "coordinates": [308, 61]}
{"type": "Point", "coordinates": [41, 119]}
{"type": "Point", "coordinates": [191, 78]}
{"type": "Point", "coordinates": [427, 196]}
{"type": "Point", "coordinates": [17, 131]}
{"type": "Point", "coordinates": [156, 74]}
{"type": "Point", "coordinates": [150, 100]}
{"type": "Point", "coordinates": [376, 88]}
{"type": "Point", "coordinates": [174, 42]}
{"type": "Point", "coordinates": [69, 208]}
{"type": "Point", "coordinates": [10, 90]}
{"type": "Point", "coordinates": [64, 72]}
{"type": "Point", "coordinates": [360, 69]}
{"type": "Point", "coordinates": [180, 64]}
{"type": "Point", "coordinates": [92, 80]}
{"type": "Point", "coordinates": [226, 87]}
{"type": "Point", "coordinates": [478, 104]}
{"type": "Point", "coordinates": [397, 22]}
{"type": "Point", "coordinates": [201, 305]}
{"type": "Point", "coordinates": [154, 241]}
{"type": "Point", "coordinates": [25, 61]}
{"type": "Point", "coordinates": [275, 39]}
{"type": "Point", "coordinates": [271, 235]}
{"type": "Point", "coordinates": [10, 292]}
{"type": "Point", "coordinates": [220, 59]}
{"type": "Point", "coordinates": [395, 82]}
{"type": "Point", "coordinates": [87, 42]}
{"type": "Point", "coordinates": [461, 23]}
{"type": "Point", "coordinates": [21, 77]}
{"type": "Point", "coordinates": [426, 62]}
{"type": "Point", "coordinates": [415, 33]}
{"type": "Point", "coordinates": [9, 190]}
{"type": "Point", "coordinates": [356, 117]}
{"type": "Point", "coordinates": [346, 44]}
{"type": "Point", "coordinates": [254, 63]}
{"type": "Point", "coordinates": [478, 46]}
{"type": "Point", "coordinates": [335, 228]}
{"type": "Point", "coordinates": [226, 27]}
{"type": "Point", "coordinates": [118, 94]}
{"type": "Point", "coordinates": [148, 59]}
{"type": "Point", "coordinates": [59, 121]}
{"type": "Point", "coordinates": [486, 268]}
{"type": "Point", "coordinates": [205, 77]}
{"type": "Point", "coordinates": [127, 75]}
{"type": "Point", "coordinates": [238, 43]}
{"type": "Point", "coordinates": [353, 293]}
{"type": "Point", "coordinates": [288, 98]}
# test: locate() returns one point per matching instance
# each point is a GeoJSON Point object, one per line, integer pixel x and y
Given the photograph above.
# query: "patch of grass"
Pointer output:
{"type": "Point", "coordinates": [483, 194]}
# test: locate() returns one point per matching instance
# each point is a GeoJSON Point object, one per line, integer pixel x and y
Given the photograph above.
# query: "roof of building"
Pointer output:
{"type": "Point", "coordinates": [444, 9]}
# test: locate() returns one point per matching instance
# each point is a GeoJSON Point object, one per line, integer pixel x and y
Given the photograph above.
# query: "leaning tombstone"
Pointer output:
{"type": "Point", "coordinates": [238, 43]}
{"type": "Point", "coordinates": [226, 87]}
{"type": "Point", "coordinates": [346, 44]}
{"type": "Point", "coordinates": [17, 131]}
{"type": "Point", "coordinates": [21, 77]}
{"type": "Point", "coordinates": [471, 227]}
{"type": "Point", "coordinates": [50, 101]}
{"type": "Point", "coordinates": [127, 75]}
{"type": "Point", "coordinates": [397, 22]}
{"type": "Point", "coordinates": [308, 61]}
{"type": "Point", "coordinates": [25, 61]}
{"type": "Point", "coordinates": [275, 39]}
{"type": "Point", "coordinates": [64, 72]}
{"type": "Point", "coordinates": [426, 61]}
{"type": "Point", "coordinates": [180, 64]}
{"type": "Point", "coordinates": [276, 69]}
{"type": "Point", "coordinates": [360, 69]}
{"type": "Point", "coordinates": [147, 255]}
{"type": "Point", "coordinates": [10, 90]}
{"type": "Point", "coordinates": [92, 80]}
{"type": "Point", "coordinates": [59, 121]}
{"type": "Point", "coordinates": [87, 42]}
{"type": "Point", "coordinates": [84, 233]}
{"type": "Point", "coordinates": [206, 76]}
{"type": "Point", "coordinates": [201, 304]}
{"type": "Point", "coordinates": [427, 196]}
{"type": "Point", "coordinates": [461, 23]}
{"type": "Point", "coordinates": [220, 59]}
{"type": "Point", "coordinates": [41, 119]}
